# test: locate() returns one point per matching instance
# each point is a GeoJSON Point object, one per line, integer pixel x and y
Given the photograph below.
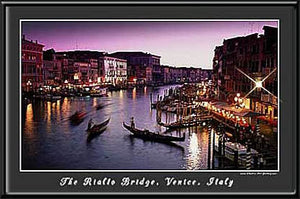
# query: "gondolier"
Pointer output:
{"type": "Point", "coordinates": [91, 123]}
{"type": "Point", "coordinates": [132, 123]}
{"type": "Point", "coordinates": [148, 135]}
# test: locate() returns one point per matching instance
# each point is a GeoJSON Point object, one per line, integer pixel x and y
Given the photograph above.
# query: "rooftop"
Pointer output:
{"type": "Point", "coordinates": [132, 53]}
{"type": "Point", "coordinates": [26, 41]}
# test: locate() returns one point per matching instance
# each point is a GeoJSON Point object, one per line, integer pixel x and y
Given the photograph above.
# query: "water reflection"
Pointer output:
{"type": "Point", "coordinates": [94, 101]}
{"type": "Point", "coordinates": [48, 116]}
{"type": "Point", "coordinates": [134, 93]}
{"type": "Point", "coordinates": [194, 151]}
{"type": "Point", "coordinates": [29, 121]}
{"type": "Point", "coordinates": [58, 111]}
{"type": "Point", "coordinates": [121, 94]}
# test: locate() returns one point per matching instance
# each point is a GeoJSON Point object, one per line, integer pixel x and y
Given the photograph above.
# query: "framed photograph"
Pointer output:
{"type": "Point", "coordinates": [150, 98]}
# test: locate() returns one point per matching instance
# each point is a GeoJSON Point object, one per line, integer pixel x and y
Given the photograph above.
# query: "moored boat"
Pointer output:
{"type": "Point", "coordinates": [153, 105]}
{"type": "Point", "coordinates": [51, 97]}
{"type": "Point", "coordinates": [148, 135]}
{"type": "Point", "coordinates": [39, 96]}
{"type": "Point", "coordinates": [176, 125]}
{"type": "Point", "coordinates": [231, 147]}
{"type": "Point", "coordinates": [187, 122]}
{"type": "Point", "coordinates": [99, 92]}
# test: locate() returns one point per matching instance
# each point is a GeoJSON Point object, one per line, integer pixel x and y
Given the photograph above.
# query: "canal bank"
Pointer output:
{"type": "Point", "coordinates": [238, 138]}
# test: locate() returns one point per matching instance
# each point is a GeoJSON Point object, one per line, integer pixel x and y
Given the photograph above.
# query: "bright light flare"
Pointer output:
{"type": "Point", "coordinates": [258, 84]}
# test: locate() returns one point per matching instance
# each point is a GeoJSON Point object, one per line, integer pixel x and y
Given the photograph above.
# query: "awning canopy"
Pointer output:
{"type": "Point", "coordinates": [236, 111]}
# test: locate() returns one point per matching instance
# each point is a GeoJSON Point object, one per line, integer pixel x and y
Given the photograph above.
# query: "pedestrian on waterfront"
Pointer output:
{"type": "Point", "coordinates": [91, 123]}
{"type": "Point", "coordinates": [132, 123]}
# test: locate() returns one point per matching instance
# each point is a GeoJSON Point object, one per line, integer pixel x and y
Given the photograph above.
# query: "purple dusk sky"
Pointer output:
{"type": "Point", "coordinates": [178, 43]}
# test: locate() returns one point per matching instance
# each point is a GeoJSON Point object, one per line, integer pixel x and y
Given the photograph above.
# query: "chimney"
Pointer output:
{"type": "Point", "coordinates": [23, 36]}
{"type": "Point", "coordinates": [36, 41]}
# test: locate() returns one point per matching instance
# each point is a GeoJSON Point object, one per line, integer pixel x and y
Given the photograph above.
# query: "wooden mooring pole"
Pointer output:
{"type": "Point", "coordinates": [213, 149]}
{"type": "Point", "coordinates": [248, 158]}
{"type": "Point", "coordinates": [236, 156]}
{"type": "Point", "coordinates": [209, 146]}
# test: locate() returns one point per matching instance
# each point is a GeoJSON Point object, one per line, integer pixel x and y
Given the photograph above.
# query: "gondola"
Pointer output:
{"type": "Point", "coordinates": [173, 125]}
{"type": "Point", "coordinates": [92, 135]}
{"type": "Point", "coordinates": [77, 117]}
{"type": "Point", "coordinates": [53, 97]}
{"type": "Point", "coordinates": [148, 135]}
{"type": "Point", "coordinates": [176, 125]}
{"type": "Point", "coordinates": [97, 129]}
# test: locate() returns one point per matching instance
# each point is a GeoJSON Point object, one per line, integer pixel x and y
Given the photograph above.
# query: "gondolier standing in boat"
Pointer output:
{"type": "Point", "coordinates": [91, 123]}
{"type": "Point", "coordinates": [132, 123]}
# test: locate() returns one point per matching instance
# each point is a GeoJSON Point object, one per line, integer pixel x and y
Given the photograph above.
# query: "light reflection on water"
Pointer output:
{"type": "Point", "coordinates": [29, 121]}
{"type": "Point", "coordinates": [51, 142]}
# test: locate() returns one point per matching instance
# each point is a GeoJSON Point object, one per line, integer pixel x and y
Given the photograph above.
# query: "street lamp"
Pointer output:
{"type": "Point", "coordinates": [28, 85]}
{"type": "Point", "coordinates": [76, 76]}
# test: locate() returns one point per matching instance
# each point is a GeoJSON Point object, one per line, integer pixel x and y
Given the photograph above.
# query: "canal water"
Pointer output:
{"type": "Point", "coordinates": [50, 142]}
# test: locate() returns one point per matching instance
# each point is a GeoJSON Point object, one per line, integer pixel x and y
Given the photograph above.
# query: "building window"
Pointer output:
{"type": "Point", "coordinates": [241, 51]}
{"type": "Point", "coordinates": [24, 68]}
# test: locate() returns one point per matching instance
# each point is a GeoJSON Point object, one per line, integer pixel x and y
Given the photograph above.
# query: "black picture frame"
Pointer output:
{"type": "Point", "coordinates": [9, 9]}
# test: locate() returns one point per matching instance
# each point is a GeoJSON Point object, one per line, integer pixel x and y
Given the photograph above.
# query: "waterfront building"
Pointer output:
{"type": "Point", "coordinates": [68, 71]}
{"type": "Point", "coordinates": [52, 72]}
{"type": "Point", "coordinates": [166, 75]}
{"type": "Point", "coordinates": [157, 75]}
{"type": "Point", "coordinates": [82, 55]}
{"type": "Point", "coordinates": [256, 56]}
{"type": "Point", "coordinates": [176, 74]}
{"type": "Point", "coordinates": [89, 65]}
{"type": "Point", "coordinates": [52, 68]}
{"type": "Point", "coordinates": [149, 71]}
{"type": "Point", "coordinates": [93, 72]}
{"type": "Point", "coordinates": [115, 70]}
{"type": "Point", "coordinates": [204, 74]}
{"type": "Point", "coordinates": [137, 63]}
{"type": "Point", "coordinates": [188, 74]}
{"type": "Point", "coordinates": [32, 64]}
{"type": "Point", "coordinates": [82, 71]}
